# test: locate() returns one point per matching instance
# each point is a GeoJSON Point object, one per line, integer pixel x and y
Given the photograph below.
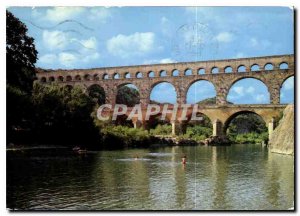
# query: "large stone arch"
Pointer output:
{"type": "Point", "coordinates": [283, 91]}
{"type": "Point", "coordinates": [96, 92]}
{"type": "Point", "coordinates": [235, 114]}
{"type": "Point", "coordinates": [196, 80]}
{"type": "Point", "coordinates": [285, 78]}
{"type": "Point", "coordinates": [261, 79]}
{"type": "Point", "coordinates": [120, 85]}
{"type": "Point", "coordinates": [154, 84]}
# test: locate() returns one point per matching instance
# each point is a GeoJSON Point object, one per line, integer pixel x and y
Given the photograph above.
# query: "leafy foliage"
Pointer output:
{"type": "Point", "coordinates": [247, 128]}
{"type": "Point", "coordinates": [97, 94]}
{"type": "Point", "coordinates": [21, 54]}
{"type": "Point", "coordinates": [63, 111]}
{"type": "Point", "coordinates": [128, 96]}
{"type": "Point", "coordinates": [197, 132]}
{"type": "Point", "coordinates": [122, 136]}
{"type": "Point", "coordinates": [161, 129]}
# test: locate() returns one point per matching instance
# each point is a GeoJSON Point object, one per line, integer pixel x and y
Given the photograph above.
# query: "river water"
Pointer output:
{"type": "Point", "coordinates": [237, 177]}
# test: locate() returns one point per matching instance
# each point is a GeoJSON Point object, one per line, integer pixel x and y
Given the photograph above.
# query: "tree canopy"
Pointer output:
{"type": "Point", "coordinates": [21, 54]}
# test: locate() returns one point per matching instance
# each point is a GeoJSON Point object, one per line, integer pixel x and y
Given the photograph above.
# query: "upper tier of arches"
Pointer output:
{"type": "Point", "coordinates": [254, 65]}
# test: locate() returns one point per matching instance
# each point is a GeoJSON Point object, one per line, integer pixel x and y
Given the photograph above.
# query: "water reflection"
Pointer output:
{"type": "Point", "coordinates": [235, 177]}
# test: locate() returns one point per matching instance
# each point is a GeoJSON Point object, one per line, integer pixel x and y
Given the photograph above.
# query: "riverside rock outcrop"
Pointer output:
{"type": "Point", "coordinates": [282, 139]}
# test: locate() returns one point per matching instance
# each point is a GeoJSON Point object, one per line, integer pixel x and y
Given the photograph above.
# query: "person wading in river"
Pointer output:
{"type": "Point", "coordinates": [183, 159]}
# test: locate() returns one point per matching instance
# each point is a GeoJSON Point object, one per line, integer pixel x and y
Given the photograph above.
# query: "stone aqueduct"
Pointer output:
{"type": "Point", "coordinates": [271, 70]}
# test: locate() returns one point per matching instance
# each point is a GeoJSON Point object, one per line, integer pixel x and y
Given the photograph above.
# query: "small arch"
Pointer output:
{"type": "Point", "coordinates": [87, 77]}
{"type": "Point", "coordinates": [242, 69]}
{"type": "Point", "coordinates": [43, 79]}
{"type": "Point", "coordinates": [127, 75]}
{"type": "Point", "coordinates": [139, 75]}
{"type": "Point", "coordinates": [175, 72]}
{"type": "Point", "coordinates": [215, 70]}
{"type": "Point", "coordinates": [105, 76]}
{"type": "Point", "coordinates": [60, 78]}
{"type": "Point", "coordinates": [77, 78]}
{"type": "Point", "coordinates": [228, 69]}
{"type": "Point", "coordinates": [255, 67]}
{"type": "Point", "coordinates": [51, 79]}
{"type": "Point", "coordinates": [68, 78]}
{"type": "Point", "coordinates": [163, 73]}
{"type": "Point", "coordinates": [150, 74]}
{"type": "Point", "coordinates": [283, 66]}
{"type": "Point", "coordinates": [269, 66]}
{"type": "Point", "coordinates": [188, 72]}
{"type": "Point", "coordinates": [116, 76]}
{"type": "Point", "coordinates": [201, 71]}
{"type": "Point", "coordinates": [96, 77]}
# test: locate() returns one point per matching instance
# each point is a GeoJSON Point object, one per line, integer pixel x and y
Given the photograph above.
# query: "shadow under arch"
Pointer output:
{"type": "Point", "coordinates": [233, 116]}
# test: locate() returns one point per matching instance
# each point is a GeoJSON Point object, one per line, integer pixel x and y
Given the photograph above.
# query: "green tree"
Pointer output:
{"type": "Point", "coordinates": [63, 114]}
{"type": "Point", "coordinates": [128, 96]}
{"type": "Point", "coordinates": [21, 54]}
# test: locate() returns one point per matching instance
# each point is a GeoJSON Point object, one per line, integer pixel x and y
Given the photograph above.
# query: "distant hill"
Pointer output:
{"type": "Point", "coordinates": [209, 101]}
{"type": "Point", "coordinates": [156, 102]}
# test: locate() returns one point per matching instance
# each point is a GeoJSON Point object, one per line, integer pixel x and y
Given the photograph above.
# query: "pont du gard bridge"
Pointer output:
{"type": "Point", "coordinates": [271, 70]}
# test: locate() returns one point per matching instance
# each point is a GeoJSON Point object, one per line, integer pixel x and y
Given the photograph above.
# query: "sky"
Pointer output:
{"type": "Point", "coordinates": [89, 37]}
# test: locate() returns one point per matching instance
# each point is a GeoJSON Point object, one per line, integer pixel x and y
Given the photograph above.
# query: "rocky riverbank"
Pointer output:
{"type": "Point", "coordinates": [282, 139]}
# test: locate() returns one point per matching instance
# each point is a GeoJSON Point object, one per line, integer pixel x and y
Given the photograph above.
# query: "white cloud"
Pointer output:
{"type": "Point", "coordinates": [224, 37]}
{"type": "Point", "coordinates": [58, 14]}
{"type": "Point", "coordinates": [239, 90]}
{"type": "Point", "coordinates": [135, 44]}
{"type": "Point", "coordinates": [90, 43]}
{"type": "Point", "coordinates": [47, 59]}
{"type": "Point", "coordinates": [67, 59]}
{"type": "Point", "coordinates": [167, 60]}
{"type": "Point", "coordinates": [100, 14]}
{"type": "Point", "coordinates": [259, 44]}
{"type": "Point", "coordinates": [260, 98]}
{"type": "Point", "coordinates": [250, 90]}
{"type": "Point", "coordinates": [166, 26]}
{"type": "Point", "coordinates": [161, 61]}
{"type": "Point", "coordinates": [55, 39]}
{"type": "Point", "coordinates": [240, 55]}
{"type": "Point", "coordinates": [91, 57]}
{"type": "Point", "coordinates": [253, 42]}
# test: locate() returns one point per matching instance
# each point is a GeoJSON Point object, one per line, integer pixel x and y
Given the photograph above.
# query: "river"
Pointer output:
{"type": "Point", "coordinates": [237, 177]}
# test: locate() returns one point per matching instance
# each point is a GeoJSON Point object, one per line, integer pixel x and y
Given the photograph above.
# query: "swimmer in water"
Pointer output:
{"type": "Point", "coordinates": [183, 159]}
{"type": "Point", "coordinates": [136, 157]}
